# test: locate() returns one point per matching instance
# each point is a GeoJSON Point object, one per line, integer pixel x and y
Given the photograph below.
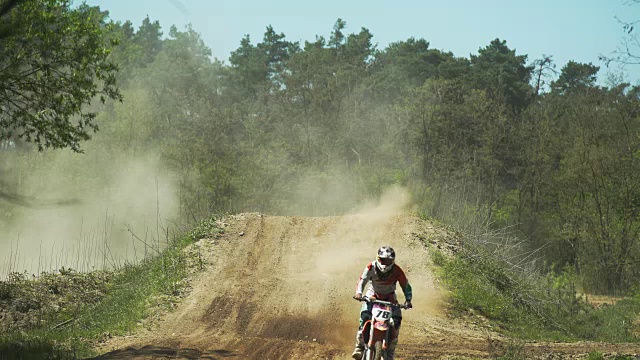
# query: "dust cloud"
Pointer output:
{"type": "Point", "coordinates": [91, 212]}
{"type": "Point", "coordinates": [319, 194]}
{"type": "Point", "coordinates": [337, 255]}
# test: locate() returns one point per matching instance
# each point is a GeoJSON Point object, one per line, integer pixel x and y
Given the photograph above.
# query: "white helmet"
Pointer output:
{"type": "Point", "coordinates": [385, 259]}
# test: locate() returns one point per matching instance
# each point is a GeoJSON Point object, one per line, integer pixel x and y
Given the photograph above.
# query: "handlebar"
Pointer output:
{"type": "Point", "coordinates": [376, 301]}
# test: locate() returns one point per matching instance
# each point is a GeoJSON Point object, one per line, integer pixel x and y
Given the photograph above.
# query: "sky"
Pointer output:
{"type": "Point", "coordinates": [578, 30]}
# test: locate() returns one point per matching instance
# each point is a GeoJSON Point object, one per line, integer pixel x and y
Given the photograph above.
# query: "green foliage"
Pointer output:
{"type": "Point", "coordinates": [515, 351]}
{"type": "Point", "coordinates": [498, 70]}
{"type": "Point", "coordinates": [54, 63]}
{"type": "Point", "coordinates": [595, 355]}
{"type": "Point", "coordinates": [408, 64]}
{"type": "Point", "coordinates": [34, 346]}
{"type": "Point", "coordinates": [438, 258]}
{"type": "Point", "coordinates": [532, 306]}
{"type": "Point", "coordinates": [490, 293]}
{"type": "Point", "coordinates": [575, 76]}
{"type": "Point", "coordinates": [29, 302]}
{"type": "Point", "coordinates": [205, 228]}
{"type": "Point", "coordinates": [597, 189]}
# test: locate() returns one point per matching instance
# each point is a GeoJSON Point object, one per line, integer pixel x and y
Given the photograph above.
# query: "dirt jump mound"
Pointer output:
{"type": "Point", "coordinates": [280, 288]}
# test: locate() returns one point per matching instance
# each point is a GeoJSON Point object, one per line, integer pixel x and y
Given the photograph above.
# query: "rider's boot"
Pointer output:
{"type": "Point", "coordinates": [357, 352]}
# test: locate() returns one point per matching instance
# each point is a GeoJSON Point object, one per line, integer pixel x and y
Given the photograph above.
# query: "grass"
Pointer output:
{"type": "Point", "coordinates": [529, 305]}
{"type": "Point", "coordinates": [90, 306]}
{"type": "Point", "coordinates": [596, 355]}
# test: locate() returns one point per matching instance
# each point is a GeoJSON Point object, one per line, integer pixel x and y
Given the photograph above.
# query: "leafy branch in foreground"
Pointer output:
{"type": "Point", "coordinates": [53, 63]}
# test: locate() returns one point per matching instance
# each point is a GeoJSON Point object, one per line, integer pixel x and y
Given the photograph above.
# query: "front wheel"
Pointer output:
{"type": "Point", "coordinates": [377, 352]}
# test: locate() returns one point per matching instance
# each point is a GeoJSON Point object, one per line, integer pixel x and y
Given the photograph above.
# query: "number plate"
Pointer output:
{"type": "Point", "coordinates": [381, 312]}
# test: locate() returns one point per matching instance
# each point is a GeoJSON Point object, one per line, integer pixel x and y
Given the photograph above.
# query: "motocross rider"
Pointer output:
{"type": "Point", "coordinates": [383, 274]}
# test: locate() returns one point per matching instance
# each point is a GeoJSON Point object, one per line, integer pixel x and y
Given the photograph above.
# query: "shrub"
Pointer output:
{"type": "Point", "coordinates": [529, 304]}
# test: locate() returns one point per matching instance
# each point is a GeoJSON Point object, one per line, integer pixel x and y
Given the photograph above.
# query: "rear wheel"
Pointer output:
{"type": "Point", "coordinates": [377, 348]}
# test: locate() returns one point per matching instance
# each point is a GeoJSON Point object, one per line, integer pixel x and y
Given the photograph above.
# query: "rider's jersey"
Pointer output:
{"type": "Point", "coordinates": [384, 287]}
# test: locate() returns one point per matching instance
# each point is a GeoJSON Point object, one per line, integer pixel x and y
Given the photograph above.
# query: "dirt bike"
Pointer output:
{"type": "Point", "coordinates": [379, 331]}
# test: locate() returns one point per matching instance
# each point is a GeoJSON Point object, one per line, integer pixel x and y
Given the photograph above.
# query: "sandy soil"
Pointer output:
{"type": "Point", "coordinates": [281, 287]}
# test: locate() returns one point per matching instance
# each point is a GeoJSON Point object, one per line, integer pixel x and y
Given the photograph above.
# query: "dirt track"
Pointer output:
{"type": "Point", "coordinates": [283, 290]}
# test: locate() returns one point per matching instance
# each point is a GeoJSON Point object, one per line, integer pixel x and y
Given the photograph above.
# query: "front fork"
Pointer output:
{"type": "Point", "coordinates": [387, 337]}
{"type": "Point", "coordinates": [390, 335]}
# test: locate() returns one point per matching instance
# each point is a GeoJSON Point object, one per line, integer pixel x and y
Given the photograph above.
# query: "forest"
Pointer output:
{"type": "Point", "coordinates": [496, 140]}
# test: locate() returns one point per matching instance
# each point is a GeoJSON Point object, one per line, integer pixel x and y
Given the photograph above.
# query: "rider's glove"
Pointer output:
{"type": "Point", "coordinates": [408, 304]}
{"type": "Point", "coordinates": [358, 296]}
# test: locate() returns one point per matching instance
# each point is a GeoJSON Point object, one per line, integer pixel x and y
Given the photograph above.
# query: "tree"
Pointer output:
{"type": "Point", "coordinates": [275, 51]}
{"type": "Point", "coordinates": [149, 38]}
{"type": "Point", "coordinates": [258, 68]}
{"type": "Point", "coordinates": [51, 68]}
{"type": "Point", "coordinates": [127, 54]}
{"type": "Point", "coordinates": [600, 193]}
{"type": "Point", "coordinates": [498, 70]}
{"type": "Point", "coordinates": [575, 76]}
{"type": "Point", "coordinates": [337, 35]}
{"type": "Point", "coordinates": [5, 7]}
{"type": "Point", "coordinates": [542, 68]}
{"type": "Point", "coordinates": [408, 64]}
{"type": "Point", "coordinates": [135, 49]}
